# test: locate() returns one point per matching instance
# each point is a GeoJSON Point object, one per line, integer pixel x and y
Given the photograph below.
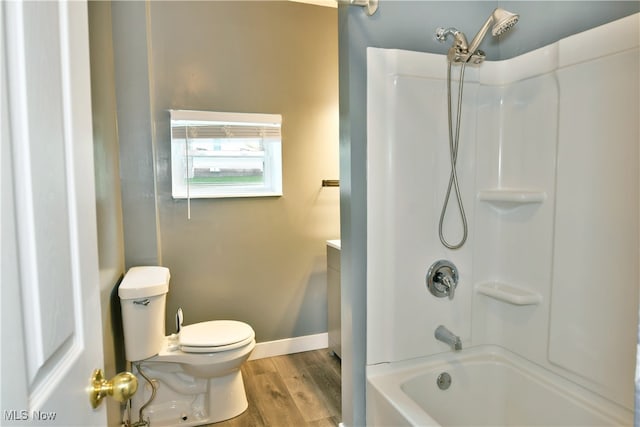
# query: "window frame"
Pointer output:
{"type": "Point", "coordinates": [271, 185]}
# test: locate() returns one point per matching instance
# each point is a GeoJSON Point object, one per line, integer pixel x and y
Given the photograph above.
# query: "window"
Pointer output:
{"type": "Point", "coordinates": [225, 154]}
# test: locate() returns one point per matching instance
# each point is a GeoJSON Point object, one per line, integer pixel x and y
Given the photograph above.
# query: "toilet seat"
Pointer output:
{"type": "Point", "coordinates": [215, 336]}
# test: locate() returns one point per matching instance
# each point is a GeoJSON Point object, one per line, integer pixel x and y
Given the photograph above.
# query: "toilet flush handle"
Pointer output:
{"type": "Point", "coordinates": [179, 319]}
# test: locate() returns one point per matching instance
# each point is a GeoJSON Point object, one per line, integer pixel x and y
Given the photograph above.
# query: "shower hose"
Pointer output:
{"type": "Point", "coordinates": [453, 154]}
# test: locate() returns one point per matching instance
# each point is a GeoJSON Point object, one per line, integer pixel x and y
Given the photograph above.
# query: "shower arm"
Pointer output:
{"type": "Point", "coordinates": [459, 51]}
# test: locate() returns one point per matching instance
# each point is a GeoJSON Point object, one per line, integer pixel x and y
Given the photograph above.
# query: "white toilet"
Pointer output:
{"type": "Point", "coordinates": [196, 373]}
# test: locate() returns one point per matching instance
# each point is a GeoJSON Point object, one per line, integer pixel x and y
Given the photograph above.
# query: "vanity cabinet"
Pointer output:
{"type": "Point", "coordinates": [333, 296]}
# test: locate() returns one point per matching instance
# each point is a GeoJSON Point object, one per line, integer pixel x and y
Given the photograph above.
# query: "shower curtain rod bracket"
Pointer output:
{"type": "Point", "coordinates": [370, 6]}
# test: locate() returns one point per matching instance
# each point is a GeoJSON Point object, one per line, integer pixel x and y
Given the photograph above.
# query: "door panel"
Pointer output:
{"type": "Point", "coordinates": [49, 260]}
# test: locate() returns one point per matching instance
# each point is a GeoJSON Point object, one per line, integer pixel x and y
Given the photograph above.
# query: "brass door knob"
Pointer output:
{"type": "Point", "coordinates": [121, 387]}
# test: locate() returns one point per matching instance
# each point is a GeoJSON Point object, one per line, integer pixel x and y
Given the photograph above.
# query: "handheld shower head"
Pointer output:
{"type": "Point", "coordinates": [502, 21]}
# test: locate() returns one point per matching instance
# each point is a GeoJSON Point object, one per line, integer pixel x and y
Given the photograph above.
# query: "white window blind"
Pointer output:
{"type": "Point", "coordinates": [216, 154]}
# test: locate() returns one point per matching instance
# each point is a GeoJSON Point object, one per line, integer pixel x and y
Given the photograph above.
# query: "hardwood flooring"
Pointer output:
{"type": "Point", "coordinates": [301, 389]}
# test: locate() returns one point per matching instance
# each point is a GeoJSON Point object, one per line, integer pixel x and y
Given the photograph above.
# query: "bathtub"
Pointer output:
{"type": "Point", "coordinates": [489, 387]}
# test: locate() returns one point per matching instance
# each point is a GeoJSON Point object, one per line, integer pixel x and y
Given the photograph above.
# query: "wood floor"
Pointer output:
{"type": "Point", "coordinates": [301, 389]}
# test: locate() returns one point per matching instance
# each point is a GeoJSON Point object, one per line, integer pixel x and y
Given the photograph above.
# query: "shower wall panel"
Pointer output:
{"type": "Point", "coordinates": [549, 175]}
{"type": "Point", "coordinates": [594, 302]}
{"type": "Point", "coordinates": [516, 156]}
{"type": "Point", "coordinates": [408, 176]}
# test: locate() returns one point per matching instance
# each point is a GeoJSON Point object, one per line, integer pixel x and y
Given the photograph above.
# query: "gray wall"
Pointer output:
{"type": "Point", "coordinates": [135, 132]}
{"type": "Point", "coordinates": [259, 260]}
{"type": "Point", "coordinates": [410, 25]}
{"type": "Point", "coordinates": [107, 182]}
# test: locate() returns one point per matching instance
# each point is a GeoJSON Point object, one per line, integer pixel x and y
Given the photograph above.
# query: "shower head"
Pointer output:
{"type": "Point", "coordinates": [502, 21]}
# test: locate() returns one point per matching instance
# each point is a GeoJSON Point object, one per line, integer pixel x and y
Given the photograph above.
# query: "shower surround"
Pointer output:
{"type": "Point", "coordinates": [548, 170]}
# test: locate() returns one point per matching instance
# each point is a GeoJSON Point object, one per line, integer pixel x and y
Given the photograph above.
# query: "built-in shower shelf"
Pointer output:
{"type": "Point", "coordinates": [509, 198]}
{"type": "Point", "coordinates": [509, 293]}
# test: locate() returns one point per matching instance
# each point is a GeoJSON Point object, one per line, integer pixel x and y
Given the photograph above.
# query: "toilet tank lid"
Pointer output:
{"type": "Point", "coordinates": [141, 282]}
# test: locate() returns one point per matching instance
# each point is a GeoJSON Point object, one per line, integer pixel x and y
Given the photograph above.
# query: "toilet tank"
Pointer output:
{"type": "Point", "coordinates": [143, 295]}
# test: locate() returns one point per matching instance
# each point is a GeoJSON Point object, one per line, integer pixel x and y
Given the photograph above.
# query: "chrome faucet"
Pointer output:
{"type": "Point", "coordinates": [446, 336]}
{"type": "Point", "coordinates": [442, 279]}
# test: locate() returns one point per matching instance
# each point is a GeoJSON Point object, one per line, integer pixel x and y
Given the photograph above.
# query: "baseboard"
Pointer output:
{"type": "Point", "coordinates": [290, 346]}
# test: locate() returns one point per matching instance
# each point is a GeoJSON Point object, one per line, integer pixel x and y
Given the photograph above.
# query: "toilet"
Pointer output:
{"type": "Point", "coordinates": [195, 372]}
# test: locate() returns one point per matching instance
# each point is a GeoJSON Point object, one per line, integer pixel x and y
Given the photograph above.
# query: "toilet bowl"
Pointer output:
{"type": "Point", "coordinates": [190, 378]}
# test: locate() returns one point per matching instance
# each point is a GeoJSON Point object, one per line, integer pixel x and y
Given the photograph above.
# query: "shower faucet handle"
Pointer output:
{"type": "Point", "coordinates": [449, 283]}
{"type": "Point", "coordinates": [442, 279]}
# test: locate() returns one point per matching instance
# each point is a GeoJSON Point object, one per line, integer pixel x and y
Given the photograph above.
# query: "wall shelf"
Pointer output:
{"type": "Point", "coordinates": [509, 198]}
{"type": "Point", "coordinates": [508, 293]}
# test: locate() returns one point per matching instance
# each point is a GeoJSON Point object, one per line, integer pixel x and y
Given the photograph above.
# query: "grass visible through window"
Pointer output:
{"type": "Point", "coordinates": [227, 180]}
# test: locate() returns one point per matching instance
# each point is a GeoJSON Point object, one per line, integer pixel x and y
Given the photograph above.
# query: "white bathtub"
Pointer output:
{"type": "Point", "coordinates": [489, 387]}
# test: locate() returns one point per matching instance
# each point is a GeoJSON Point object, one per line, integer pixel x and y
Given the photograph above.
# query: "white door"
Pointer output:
{"type": "Point", "coordinates": [51, 331]}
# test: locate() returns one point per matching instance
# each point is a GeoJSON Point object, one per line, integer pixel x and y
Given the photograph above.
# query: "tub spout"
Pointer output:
{"type": "Point", "coordinates": [448, 337]}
